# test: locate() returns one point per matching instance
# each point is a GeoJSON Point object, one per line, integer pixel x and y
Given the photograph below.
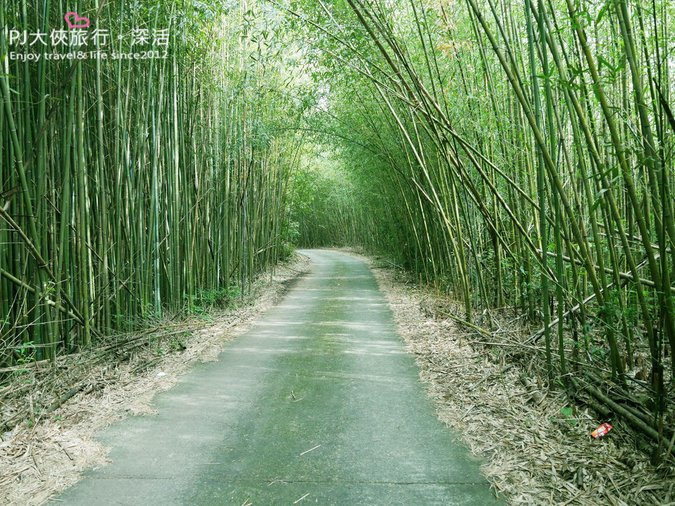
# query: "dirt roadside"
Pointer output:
{"type": "Point", "coordinates": [45, 454]}
{"type": "Point", "coordinates": [536, 445]}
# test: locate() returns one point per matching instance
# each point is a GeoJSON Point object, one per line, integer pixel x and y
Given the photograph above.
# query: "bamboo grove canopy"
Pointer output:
{"type": "Point", "coordinates": [516, 155]}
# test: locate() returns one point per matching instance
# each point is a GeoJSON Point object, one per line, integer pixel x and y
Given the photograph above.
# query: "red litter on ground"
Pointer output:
{"type": "Point", "coordinates": [601, 431]}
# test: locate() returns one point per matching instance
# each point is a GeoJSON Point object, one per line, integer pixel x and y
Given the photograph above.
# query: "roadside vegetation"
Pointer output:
{"type": "Point", "coordinates": [519, 157]}
{"type": "Point", "coordinates": [137, 189]}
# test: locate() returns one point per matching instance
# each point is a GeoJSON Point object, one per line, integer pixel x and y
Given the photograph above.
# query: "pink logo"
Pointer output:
{"type": "Point", "coordinates": [74, 20]}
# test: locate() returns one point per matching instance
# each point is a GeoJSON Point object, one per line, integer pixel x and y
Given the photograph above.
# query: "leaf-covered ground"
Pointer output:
{"type": "Point", "coordinates": [536, 445]}
{"type": "Point", "coordinates": [47, 452]}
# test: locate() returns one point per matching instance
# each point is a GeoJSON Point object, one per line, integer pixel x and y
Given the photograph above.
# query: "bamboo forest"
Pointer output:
{"type": "Point", "coordinates": [511, 160]}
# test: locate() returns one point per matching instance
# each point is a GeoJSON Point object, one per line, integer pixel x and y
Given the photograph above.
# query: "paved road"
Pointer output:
{"type": "Point", "coordinates": [318, 403]}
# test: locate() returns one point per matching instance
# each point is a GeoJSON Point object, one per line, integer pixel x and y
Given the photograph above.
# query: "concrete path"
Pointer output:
{"type": "Point", "coordinates": [318, 403]}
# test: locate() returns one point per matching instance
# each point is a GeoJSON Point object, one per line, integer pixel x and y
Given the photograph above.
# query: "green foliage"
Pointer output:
{"type": "Point", "coordinates": [205, 300]}
{"type": "Point", "coordinates": [142, 184]}
{"type": "Point", "coordinates": [25, 353]}
{"type": "Point", "coordinates": [516, 157]}
{"type": "Point", "coordinates": [322, 200]}
{"type": "Point", "coordinates": [508, 154]}
{"type": "Point", "coordinates": [568, 416]}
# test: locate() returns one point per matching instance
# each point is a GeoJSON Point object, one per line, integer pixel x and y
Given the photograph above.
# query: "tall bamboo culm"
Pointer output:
{"type": "Point", "coordinates": [133, 187]}
{"type": "Point", "coordinates": [528, 150]}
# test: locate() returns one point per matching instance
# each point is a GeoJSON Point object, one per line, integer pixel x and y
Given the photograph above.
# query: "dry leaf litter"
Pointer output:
{"type": "Point", "coordinates": [48, 450]}
{"type": "Point", "coordinates": [536, 446]}
{"type": "Point", "coordinates": [533, 453]}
